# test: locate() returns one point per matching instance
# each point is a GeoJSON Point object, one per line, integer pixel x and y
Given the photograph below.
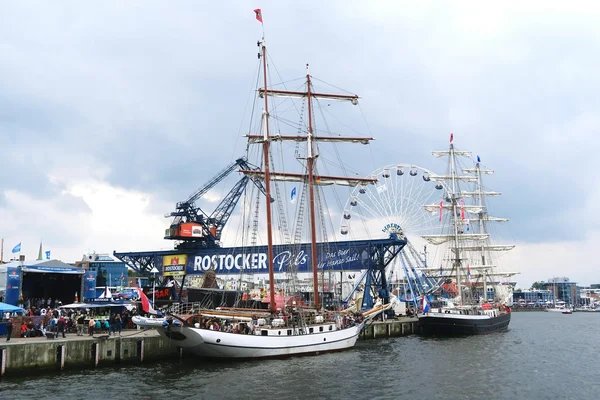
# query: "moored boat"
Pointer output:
{"type": "Point", "coordinates": [466, 239]}
{"type": "Point", "coordinates": [284, 329]}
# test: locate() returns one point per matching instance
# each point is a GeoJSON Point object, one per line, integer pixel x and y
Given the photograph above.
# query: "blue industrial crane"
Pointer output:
{"type": "Point", "coordinates": [193, 227]}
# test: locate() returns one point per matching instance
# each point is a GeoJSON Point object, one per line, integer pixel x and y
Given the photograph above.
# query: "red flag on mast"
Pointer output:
{"type": "Point", "coordinates": [441, 207]}
{"type": "Point", "coordinates": [451, 135]}
{"type": "Point", "coordinates": [258, 13]}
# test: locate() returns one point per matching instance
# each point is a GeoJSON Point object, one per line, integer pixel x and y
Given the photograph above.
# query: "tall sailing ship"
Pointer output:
{"type": "Point", "coordinates": [477, 301]}
{"type": "Point", "coordinates": [299, 327]}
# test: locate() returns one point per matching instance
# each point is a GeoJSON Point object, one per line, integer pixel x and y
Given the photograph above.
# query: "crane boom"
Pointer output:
{"type": "Point", "coordinates": [196, 228]}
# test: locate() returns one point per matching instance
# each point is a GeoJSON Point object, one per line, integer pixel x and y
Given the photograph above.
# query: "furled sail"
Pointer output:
{"type": "Point", "coordinates": [440, 239]}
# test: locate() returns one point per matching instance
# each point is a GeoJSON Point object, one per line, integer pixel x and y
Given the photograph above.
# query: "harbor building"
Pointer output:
{"type": "Point", "coordinates": [533, 297]}
{"type": "Point", "coordinates": [109, 272]}
{"type": "Point", "coordinates": [590, 296]}
{"type": "Point", "coordinates": [563, 289]}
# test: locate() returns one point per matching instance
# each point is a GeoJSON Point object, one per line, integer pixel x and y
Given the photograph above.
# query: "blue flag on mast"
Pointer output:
{"type": "Point", "coordinates": [17, 248]}
{"type": "Point", "coordinates": [48, 255]}
{"type": "Point", "coordinates": [293, 196]}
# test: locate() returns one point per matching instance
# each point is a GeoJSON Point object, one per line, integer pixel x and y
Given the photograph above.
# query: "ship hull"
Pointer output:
{"type": "Point", "coordinates": [440, 324]}
{"type": "Point", "coordinates": [205, 343]}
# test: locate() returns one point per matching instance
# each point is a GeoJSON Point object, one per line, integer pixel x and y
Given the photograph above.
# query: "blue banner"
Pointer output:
{"type": "Point", "coordinates": [13, 285]}
{"type": "Point", "coordinates": [45, 268]}
{"type": "Point", "coordinates": [336, 256]}
{"type": "Point", "coordinates": [89, 285]}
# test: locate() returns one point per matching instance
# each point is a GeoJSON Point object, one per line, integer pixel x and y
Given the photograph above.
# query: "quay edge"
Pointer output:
{"type": "Point", "coordinates": [402, 326]}
{"type": "Point", "coordinates": [23, 356]}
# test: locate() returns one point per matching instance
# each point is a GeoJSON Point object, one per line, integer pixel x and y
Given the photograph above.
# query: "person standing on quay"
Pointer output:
{"type": "Point", "coordinates": [118, 323]}
{"type": "Point", "coordinates": [113, 327]}
{"type": "Point", "coordinates": [9, 329]}
{"type": "Point", "coordinates": [80, 324]}
{"type": "Point", "coordinates": [91, 326]}
{"type": "Point", "coordinates": [61, 326]}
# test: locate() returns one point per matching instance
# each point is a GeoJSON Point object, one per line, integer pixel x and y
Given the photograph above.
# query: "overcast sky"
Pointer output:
{"type": "Point", "coordinates": [111, 112]}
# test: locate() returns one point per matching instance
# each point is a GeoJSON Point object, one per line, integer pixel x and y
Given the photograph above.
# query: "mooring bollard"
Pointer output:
{"type": "Point", "coordinates": [2, 362]}
{"type": "Point", "coordinates": [140, 350]}
{"type": "Point", "coordinates": [60, 356]}
{"type": "Point", "coordinates": [118, 350]}
{"type": "Point", "coordinates": [95, 354]}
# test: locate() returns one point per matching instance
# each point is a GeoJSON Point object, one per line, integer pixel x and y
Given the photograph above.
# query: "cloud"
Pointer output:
{"type": "Point", "coordinates": [81, 217]}
{"type": "Point", "coordinates": [542, 261]}
{"type": "Point", "coordinates": [139, 104]}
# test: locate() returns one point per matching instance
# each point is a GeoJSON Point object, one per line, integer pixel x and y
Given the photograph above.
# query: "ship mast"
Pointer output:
{"type": "Point", "coordinates": [309, 177]}
{"type": "Point", "coordinates": [311, 191]}
{"type": "Point", "coordinates": [266, 143]}
{"type": "Point", "coordinates": [453, 197]}
{"type": "Point", "coordinates": [482, 228]}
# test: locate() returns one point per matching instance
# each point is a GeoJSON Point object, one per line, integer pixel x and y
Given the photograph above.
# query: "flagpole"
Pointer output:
{"type": "Point", "coordinates": [153, 287]}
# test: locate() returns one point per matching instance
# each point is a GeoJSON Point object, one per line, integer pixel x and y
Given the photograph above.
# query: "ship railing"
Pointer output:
{"type": "Point", "coordinates": [184, 308]}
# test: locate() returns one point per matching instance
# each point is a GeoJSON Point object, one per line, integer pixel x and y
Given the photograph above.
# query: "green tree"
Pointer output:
{"type": "Point", "coordinates": [538, 285]}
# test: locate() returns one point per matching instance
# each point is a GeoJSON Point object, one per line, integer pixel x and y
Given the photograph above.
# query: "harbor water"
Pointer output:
{"type": "Point", "coordinates": [541, 356]}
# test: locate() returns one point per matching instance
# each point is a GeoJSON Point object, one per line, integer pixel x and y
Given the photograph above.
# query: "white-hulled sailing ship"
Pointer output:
{"type": "Point", "coordinates": [296, 330]}
{"type": "Point", "coordinates": [477, 300]}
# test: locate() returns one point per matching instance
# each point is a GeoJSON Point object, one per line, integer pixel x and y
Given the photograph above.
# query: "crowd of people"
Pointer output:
{"type": "Point", "coordinates": [41, 319]}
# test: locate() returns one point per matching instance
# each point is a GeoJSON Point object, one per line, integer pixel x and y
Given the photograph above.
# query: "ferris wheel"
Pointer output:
{"type": "Point", "coordinates": [395, 204]}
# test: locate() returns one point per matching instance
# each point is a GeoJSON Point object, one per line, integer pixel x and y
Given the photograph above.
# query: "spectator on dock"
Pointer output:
{"type": "Point", "coordinates": [118, 324]}
{"type": "Point", "coordinates": [80, 324]}
{"type": "Point", "coordinates": [106, 326]}
{"type": "Point", "coordinates": [52, 325]}
{"type": "Point", "coordinates": [61, 324]}
{"type": "Point", "coordinates": [9, 329]}
{"type": "Point", "coordinates": [91, 326]}
{"type": "Point", "coordinates": [24, 330]}
{"type": "Point", "coordinates": [111, 321]}
{"type": "Point", "coordinates": [38, 328]}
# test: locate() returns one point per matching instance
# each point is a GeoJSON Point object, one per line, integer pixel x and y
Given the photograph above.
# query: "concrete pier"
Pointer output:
{"type": "Point", "coordinates": [22, 356]}
{"type": "Point", "coordinates": [402, 326]}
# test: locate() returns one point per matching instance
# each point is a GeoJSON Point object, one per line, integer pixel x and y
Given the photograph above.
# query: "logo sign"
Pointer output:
{"type": "Point", "coordinates": [174, 265]}
{"type": "Point", "coordinates": [13, 285]}
{"type": "Point", "coordinates": [160, 293]}
{"type": "Point", "coordinates": [392, 228]}
{"type": "Point", "coordinates": [89, 285]}
{"type": "Point", "coordinates": [340, 256]}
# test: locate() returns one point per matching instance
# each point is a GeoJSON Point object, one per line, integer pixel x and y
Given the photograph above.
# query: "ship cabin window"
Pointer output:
{"type": "Point", "coordinates": [264, 332]}
{"type": "Point", "coordinates": [279, 333]}
{"type": "Point", "coordinates": [320, 329]}
{"type": "Point", "coordinates": [289, 332]}
{"type": "Point", "coordinates": [330, 327]}
{"type": "Point", "coordinates": [310, 330]}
